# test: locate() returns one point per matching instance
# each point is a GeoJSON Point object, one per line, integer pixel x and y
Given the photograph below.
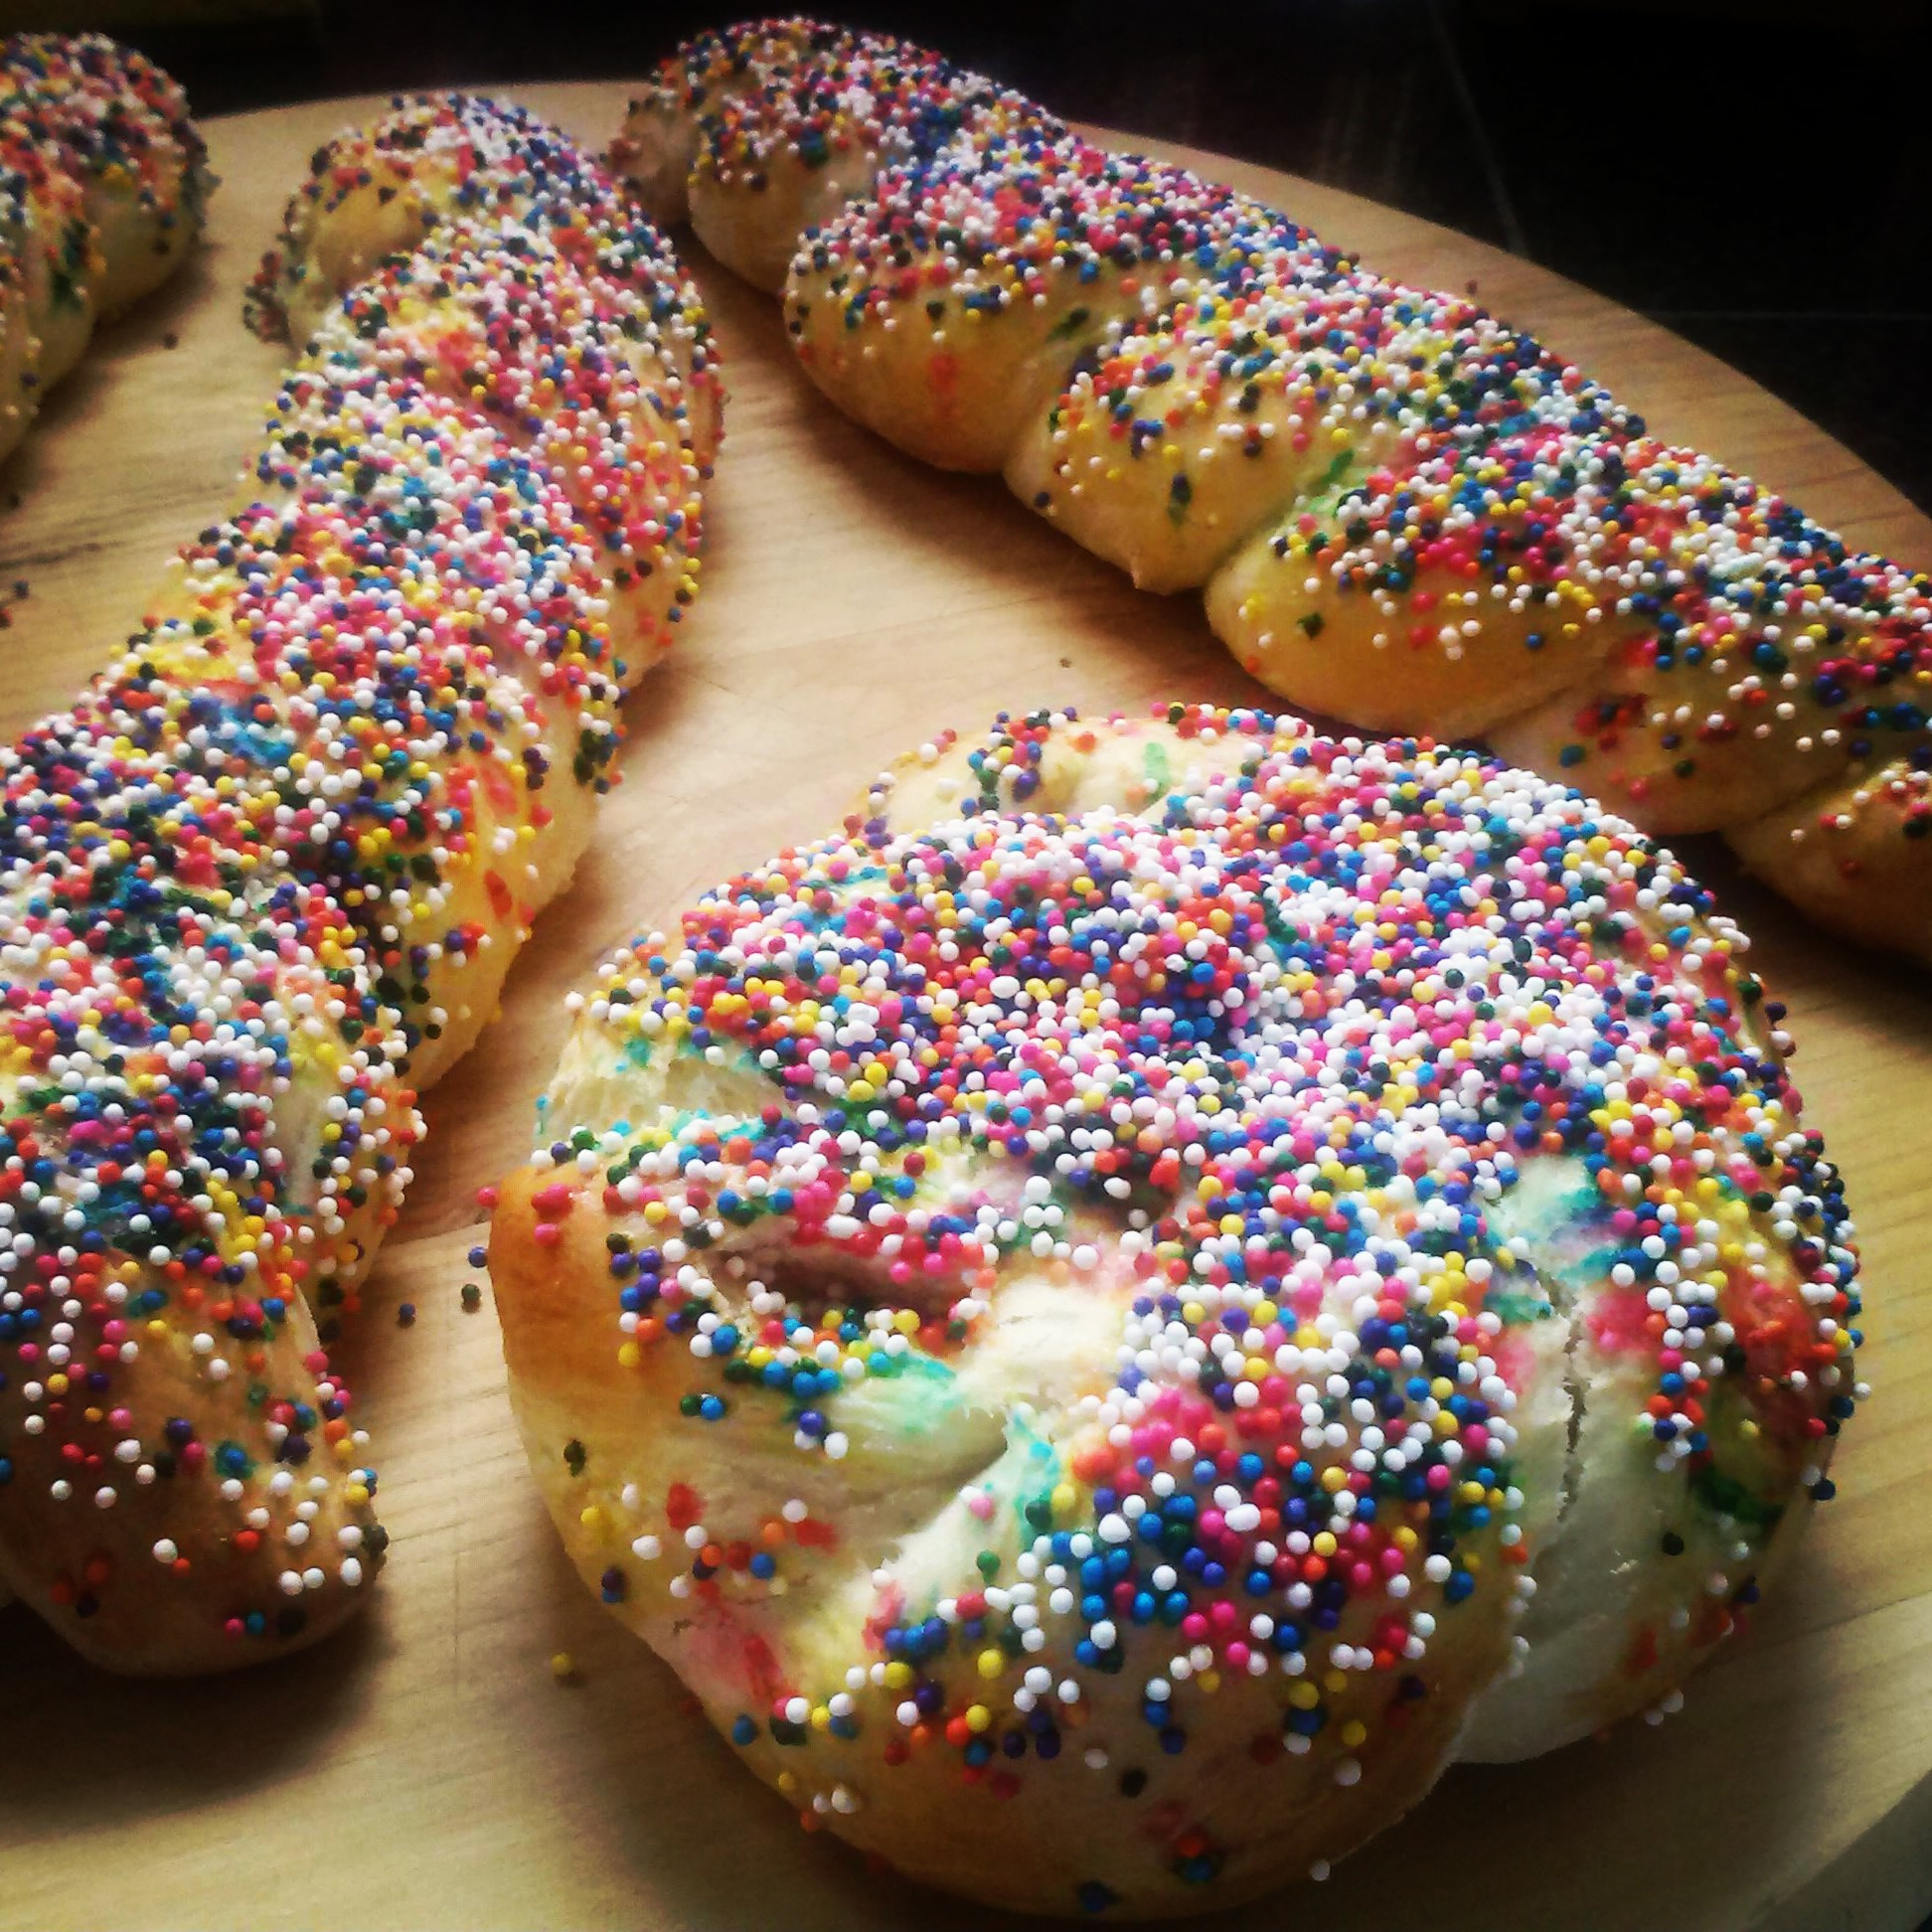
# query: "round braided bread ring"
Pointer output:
{"type": "Point", "coordinates": [1111, 1323]}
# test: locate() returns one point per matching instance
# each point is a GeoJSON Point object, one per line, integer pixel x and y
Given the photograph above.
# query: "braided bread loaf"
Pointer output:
{"type": "Point", "coordinates": [102, 184]}
{"type": "Point", "coordinates": [1404, 512]}
{"type": "Point", "coordinates": [263, 881]}
{"type": "Point", "coordinates": [1113, 1321]}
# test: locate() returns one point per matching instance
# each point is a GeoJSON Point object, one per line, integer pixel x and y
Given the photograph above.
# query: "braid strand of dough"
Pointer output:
{"type": "Point", "coordinates": [1403, 513]}
{"type": "Point", "coordinates": [103, 182]}
{"type": "Point", "coordinates": [1113, 1320]}
{"type": "Point", "coordinates": [263, 882]}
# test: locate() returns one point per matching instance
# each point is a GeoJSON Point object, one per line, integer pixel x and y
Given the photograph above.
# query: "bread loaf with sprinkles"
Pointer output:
{"type": "Point", "coordinates": [779, 123]}
{"type": "Point", "coordinates": [263, 881]}
{"type": "Point", "coordinates": [103, 182]}
{"type": "Point", "coordinates": [1114, 1320]}
{"type": "Point", "coordinates": [1403, 513]}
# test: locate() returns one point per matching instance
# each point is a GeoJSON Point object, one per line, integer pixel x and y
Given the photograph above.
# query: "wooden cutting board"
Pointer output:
{"type": "Point", "coordinates": [424, 1768]}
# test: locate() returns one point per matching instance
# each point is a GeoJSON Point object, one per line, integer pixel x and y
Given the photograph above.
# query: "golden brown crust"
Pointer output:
{"type": "Point", "coordinates": [270, 1570]}
{"type": "Point", "coordinates": [1855, 855]}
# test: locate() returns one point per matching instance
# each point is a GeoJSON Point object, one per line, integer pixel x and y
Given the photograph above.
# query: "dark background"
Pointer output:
{"type": "Point", "coordinates": [1755, 174]}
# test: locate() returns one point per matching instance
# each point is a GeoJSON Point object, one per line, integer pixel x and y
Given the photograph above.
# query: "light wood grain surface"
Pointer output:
{"type": "Point", "coordinates": [424, 1769]}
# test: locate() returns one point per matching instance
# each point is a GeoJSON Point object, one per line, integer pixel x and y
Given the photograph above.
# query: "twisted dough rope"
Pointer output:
{"type": "Point", "coordinates": [103, 182]}
{"type": "Point", "coordinates": [263, 881]}
{"type": "Point", "coordinates": [1405, 514]}
{"type": "Point", "coordinates": [1075, 1316]}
